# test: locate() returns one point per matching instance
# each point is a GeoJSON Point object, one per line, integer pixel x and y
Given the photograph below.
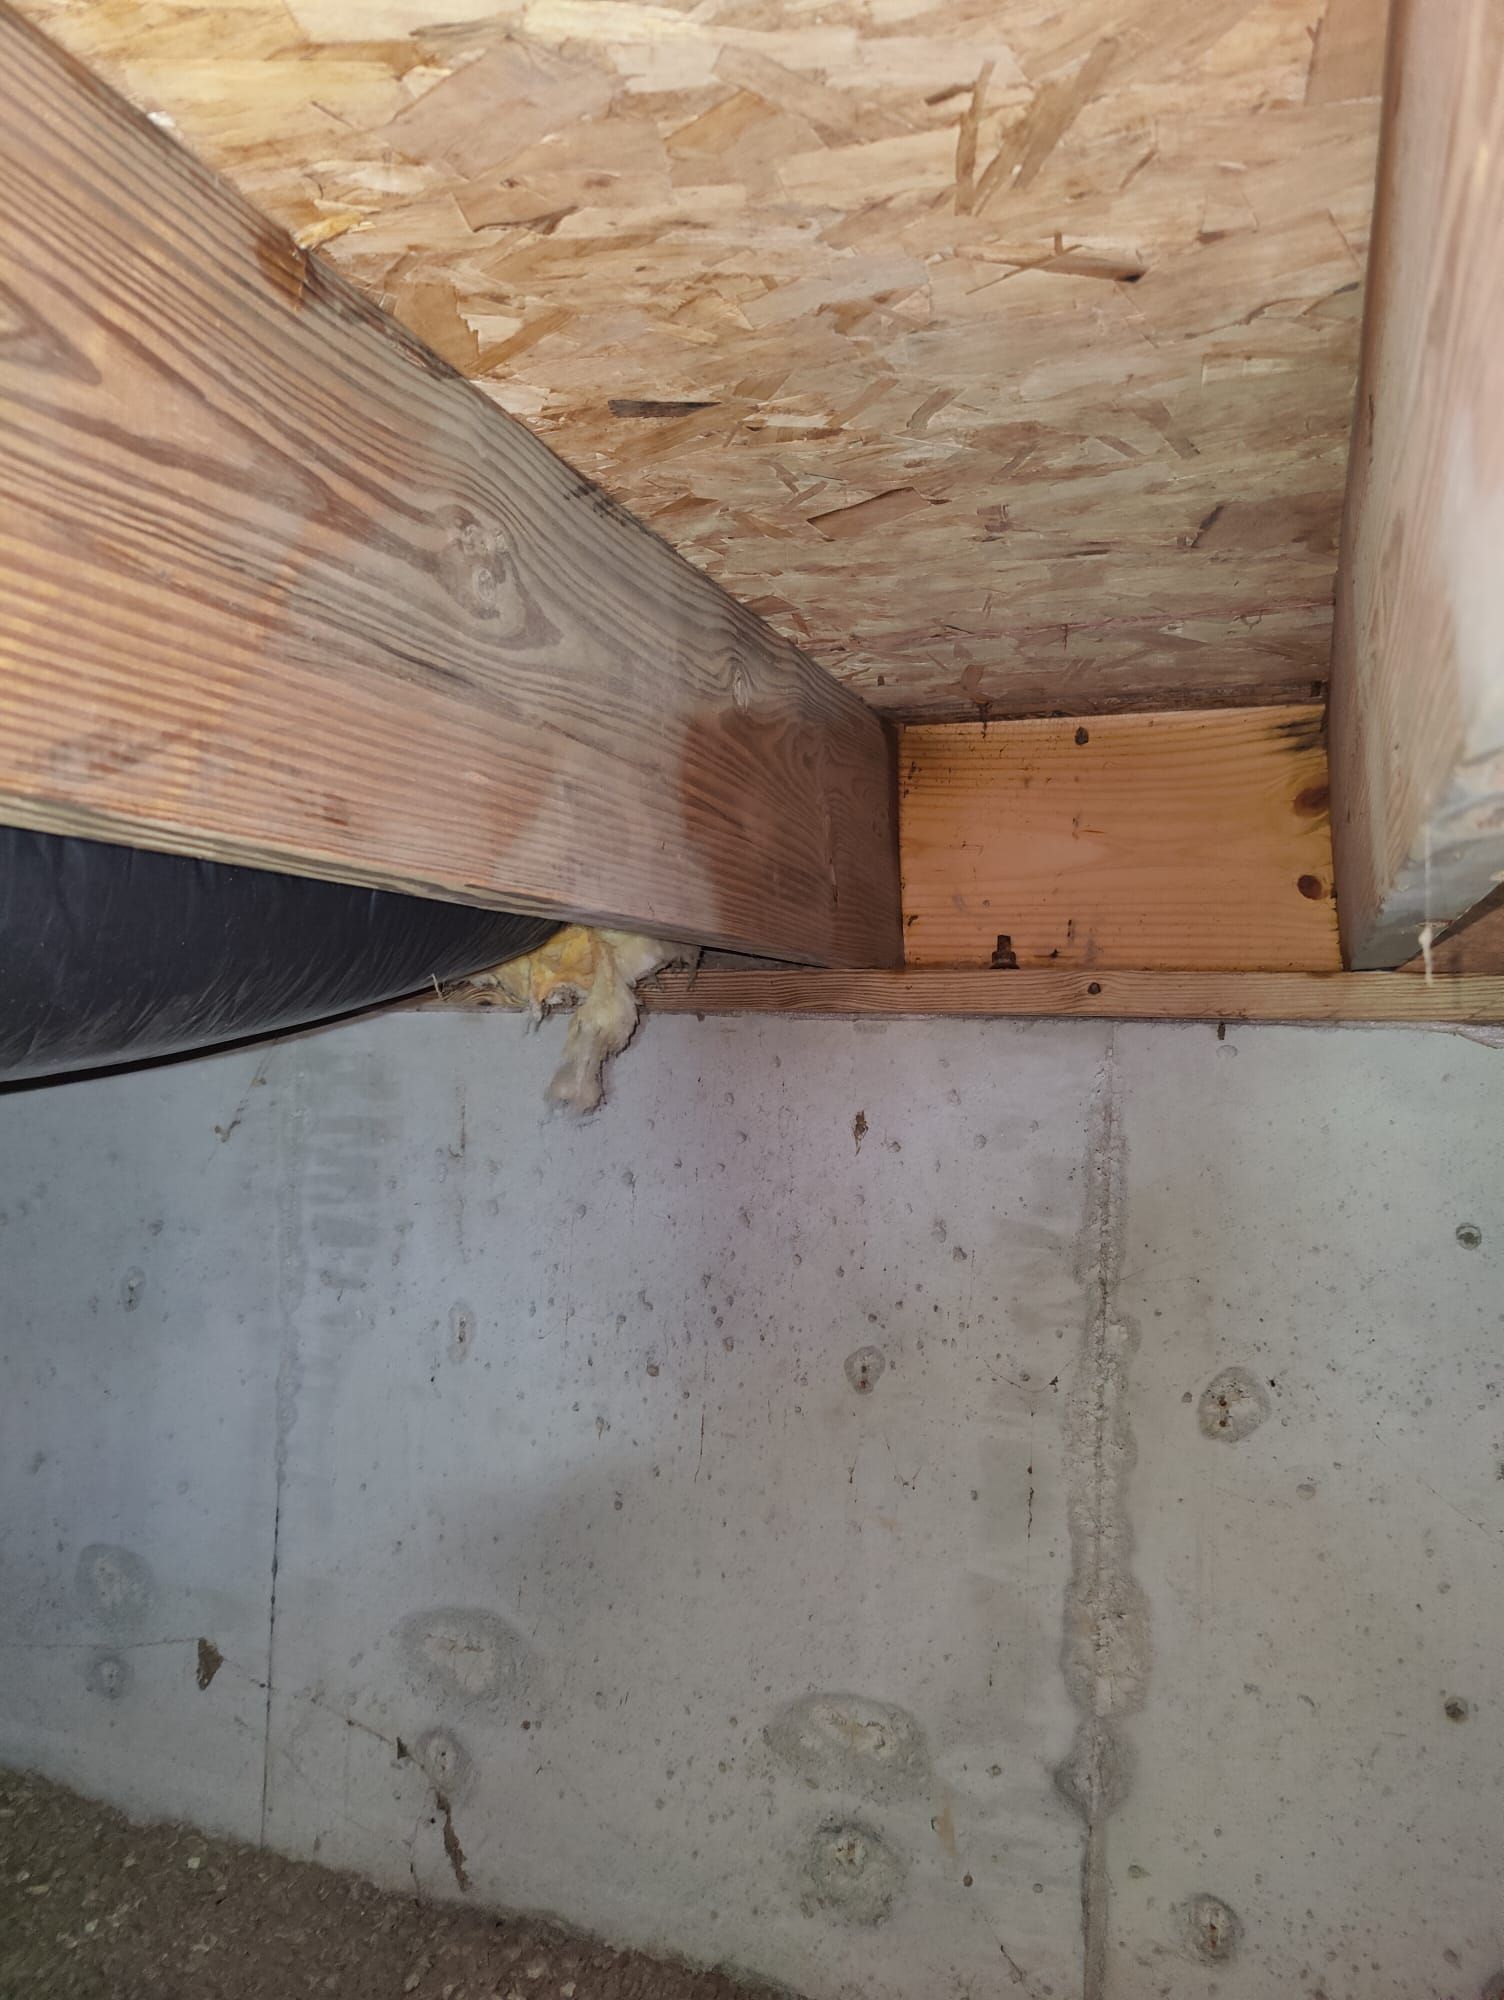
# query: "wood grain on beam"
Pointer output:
{"type": "Point", "coordinates": [1103, 995]}
{"type": "Point", "coordinates": [1132, 840]}
{"type": "Point", "coordinates": [277, 586]}
{"type": "Point", "coordinates": [1417, 716]}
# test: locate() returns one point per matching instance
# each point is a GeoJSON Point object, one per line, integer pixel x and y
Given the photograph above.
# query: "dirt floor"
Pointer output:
{"type": "Point", "coordinates": [92, 1905]}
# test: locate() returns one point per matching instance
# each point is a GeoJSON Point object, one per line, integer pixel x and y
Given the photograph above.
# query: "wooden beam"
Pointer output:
{"type": "Point", "coordinates": [1101, 995]}
{"type": "Point", "coordinates": [277, 586]}
{"type": "Point", "coordinates": [1417, 712]}
{"type": "Point", "coordinates": [1129, 840]}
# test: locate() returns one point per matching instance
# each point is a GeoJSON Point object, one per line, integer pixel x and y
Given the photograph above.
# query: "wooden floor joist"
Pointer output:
{"type": "Point", "coordinates": [277, 586]}
{"type": "Point", "coordinates": [1106, 995]}
{"type": "Point", "coordinates": [1417, 712]}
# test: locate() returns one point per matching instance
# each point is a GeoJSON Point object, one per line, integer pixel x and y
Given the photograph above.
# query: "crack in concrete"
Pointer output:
{"type": "Point", "coordinates": [1106, 1650]}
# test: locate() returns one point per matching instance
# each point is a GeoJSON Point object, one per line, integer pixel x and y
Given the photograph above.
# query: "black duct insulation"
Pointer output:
{"type": "Point", "coordinates": [113, 955]}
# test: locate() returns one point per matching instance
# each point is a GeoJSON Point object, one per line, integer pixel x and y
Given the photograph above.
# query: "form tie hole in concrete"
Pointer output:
{"type": "Point", "coordinates": [1233, 1404]}
{"type": "Point", "coordinates": [851, 1872]}
{"type": "Point", "coordinates": [115, 1587]}
{"type": "Point", "coordinates": [469, 1655]}
{"type": "Point", "coordinates": [109, 1677]}
{"type": "Point", "coordinates": [1456, 1709]}
{"type": "Point", "coordinates": [461, 1331]}
{"type": "Point", "coordinates": [1211, 1928]}
{"type": "Point", "coordinates": [1470, 1236]}
{"type": "Point", "coordinates": [846, 1742]}
{"type": "Point", "coordinates": [446, 1763]}
{"type": "Point", "coordinates": [864, 1368]}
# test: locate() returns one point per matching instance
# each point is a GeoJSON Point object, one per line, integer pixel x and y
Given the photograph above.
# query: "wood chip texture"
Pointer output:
{"type": "Point", "coordinates": [1001, 353]}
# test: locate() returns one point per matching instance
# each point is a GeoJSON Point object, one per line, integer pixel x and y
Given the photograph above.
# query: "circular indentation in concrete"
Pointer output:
{"type": "Point", "coordinates": [1456, 1709]}
{"type": "Point", "coordinates": [1470, 1236]}
{"type": "Point", "coordinates": [851, 1872]}
{"type": "Point", "coordinates": [108, 1676]}
{"type": "Point", "coordinates": [1210, 1928]}
{"type": "Point", "coordinates": [1232, 1405]}
{"type": "Point", "coordinates": [847, 1742]}
{"type": "Point", "coordinates": [470, 1655]}
{"type": "Point", "coordinates": [864, 1367]}
{"type": "Point", "coordinates": [446, 1763]}
{"type": "Point", "coordinates": [114, 1586]}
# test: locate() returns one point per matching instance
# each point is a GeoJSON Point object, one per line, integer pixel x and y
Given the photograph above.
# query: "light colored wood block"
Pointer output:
{"type": "Point", "coordinates": [1107, 995]}
{"type": "Point", "coordinates": [1179, 840]}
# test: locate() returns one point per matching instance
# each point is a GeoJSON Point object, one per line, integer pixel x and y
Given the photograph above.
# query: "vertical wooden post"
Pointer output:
{"type": "Point", "coordinates": [1417, 700]}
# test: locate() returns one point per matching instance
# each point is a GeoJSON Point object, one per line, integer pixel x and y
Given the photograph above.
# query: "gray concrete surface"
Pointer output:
{"type": "Point", "coordinates": [910, 1509]}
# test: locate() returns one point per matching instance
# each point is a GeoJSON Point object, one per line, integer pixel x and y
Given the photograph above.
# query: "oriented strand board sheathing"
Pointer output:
{"type": "Point", "coordinates": [1000, 352]}
{"type": "Point", "coordinates": [1191, 842]}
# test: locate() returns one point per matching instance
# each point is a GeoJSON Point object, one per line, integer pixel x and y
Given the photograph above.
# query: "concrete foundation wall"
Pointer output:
{"type": "Point", "coordinates": [913, 1509]}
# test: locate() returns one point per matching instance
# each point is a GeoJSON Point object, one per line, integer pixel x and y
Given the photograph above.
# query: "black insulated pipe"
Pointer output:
{"type": "Point", "coordinates": [115, 955]}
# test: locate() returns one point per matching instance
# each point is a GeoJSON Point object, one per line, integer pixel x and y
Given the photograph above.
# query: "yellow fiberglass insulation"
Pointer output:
{"type": "Point", "coordinates": [599, 972]}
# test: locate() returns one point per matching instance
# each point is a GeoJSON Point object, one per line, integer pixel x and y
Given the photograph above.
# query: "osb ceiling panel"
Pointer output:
{"type": "Point", "coordinates": [999, 351]}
